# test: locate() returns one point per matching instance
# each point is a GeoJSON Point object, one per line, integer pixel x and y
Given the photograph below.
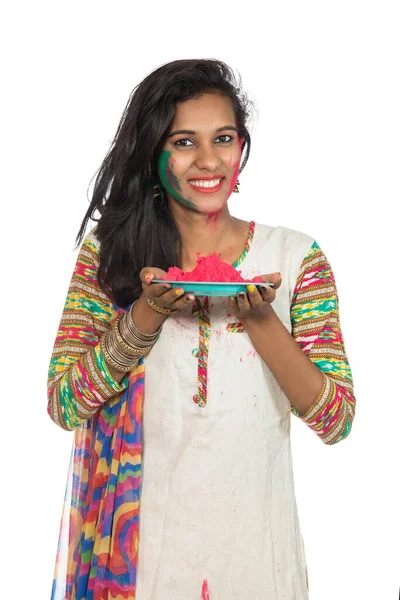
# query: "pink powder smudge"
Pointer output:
{"type": "Point", "coordinates": [210, 269]}
{"type": "Point", "coordinates": [205, 594]}
{"type": "Point", "coordinates": [212, 217]}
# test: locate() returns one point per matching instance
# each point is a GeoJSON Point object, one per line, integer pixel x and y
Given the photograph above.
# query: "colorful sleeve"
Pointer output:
{"type": "Point", "coordinates": [79, 381]}
{"type": "Point", "coordinates": [316, 328]}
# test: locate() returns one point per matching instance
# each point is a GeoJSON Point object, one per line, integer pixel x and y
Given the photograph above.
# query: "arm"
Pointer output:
{"type": "Point", "coordinates": [311, 365]}
{"type": "Point", "coordinates": [316, 328]}
{"type": "Point", "coordinates": [79, 380]}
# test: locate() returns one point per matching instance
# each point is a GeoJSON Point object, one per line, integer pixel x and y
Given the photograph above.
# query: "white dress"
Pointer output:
{"type": "Point", "coordinates": [218, 514]}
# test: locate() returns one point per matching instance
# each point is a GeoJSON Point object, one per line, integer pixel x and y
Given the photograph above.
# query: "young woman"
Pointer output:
{"type": "Point", "coordinates": [181, 483]}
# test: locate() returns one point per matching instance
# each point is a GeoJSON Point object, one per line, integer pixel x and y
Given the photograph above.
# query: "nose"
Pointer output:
{"type": "Point", "coordinates": [207, 158]}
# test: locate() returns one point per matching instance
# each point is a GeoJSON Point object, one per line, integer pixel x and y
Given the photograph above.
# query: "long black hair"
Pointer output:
{"type": "Point", "coordinates": [134, 229]}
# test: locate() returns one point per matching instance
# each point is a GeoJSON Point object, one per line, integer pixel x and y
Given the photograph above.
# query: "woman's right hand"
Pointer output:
{"type": "Point", "coordinates": [162, 293]}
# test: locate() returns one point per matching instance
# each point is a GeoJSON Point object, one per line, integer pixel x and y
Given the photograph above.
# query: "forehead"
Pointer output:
{"type": "Point", "coordinates": [210, 111]}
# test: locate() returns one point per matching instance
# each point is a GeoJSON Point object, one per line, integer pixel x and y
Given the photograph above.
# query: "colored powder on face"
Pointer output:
{"type": "Point", "coordinates": [205, 595]}
{"type": "Point", "coordinates": [169, 180]}
{"type": "Point", "coordinates": [213, 216]}
{"type": "Point", "coordinates": [209, 268]}
{"type": "Point", "coordinates": [236, 170]}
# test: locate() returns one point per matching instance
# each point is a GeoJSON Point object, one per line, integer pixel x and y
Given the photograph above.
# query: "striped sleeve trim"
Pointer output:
{"type": "Point", "coordinates": [330, 415]}
{"type": "Point", "coordinates": [82, 389]}
{"type": "Point", "coordinates": [316, 328]}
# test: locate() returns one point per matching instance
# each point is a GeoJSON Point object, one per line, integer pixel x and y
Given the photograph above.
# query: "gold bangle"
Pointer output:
{"type": "Point", "coordinates": [133, 336]}
{"type": "Point", "coordinates": [130, 350]}
{"type": "Point", "coordinates": [159, 309]}
{"type": "Point", "coordinates": [112, 363]}
{"type": "Point", "coordinates": [113, 355]}
{"type": "Point", "coordinates": [129, 324]}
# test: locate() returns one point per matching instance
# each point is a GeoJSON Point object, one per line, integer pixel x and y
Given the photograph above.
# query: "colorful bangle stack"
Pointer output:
{"type": "Point", "coordinates": [124, 344]}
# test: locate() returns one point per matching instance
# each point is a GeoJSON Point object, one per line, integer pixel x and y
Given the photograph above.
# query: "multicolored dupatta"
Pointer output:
{"type": "Point", "coordinates": [98, 543]}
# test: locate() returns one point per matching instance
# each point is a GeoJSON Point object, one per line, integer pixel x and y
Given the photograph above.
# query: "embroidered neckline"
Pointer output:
{"type": "Point", "coordinates": [247, 247]}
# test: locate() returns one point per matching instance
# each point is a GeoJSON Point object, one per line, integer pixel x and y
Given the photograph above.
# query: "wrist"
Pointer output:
{"type": "Point", "coordinates": [253, 321]}
{"type": "Point", "coordinates": [146, 319]}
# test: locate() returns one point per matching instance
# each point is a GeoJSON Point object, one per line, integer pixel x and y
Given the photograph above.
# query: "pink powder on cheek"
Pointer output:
{"type": "Point", "coordinates": [213, 216]}
{"type": "Point", "coordinates": [234, 180]}
{"type": "Point", "coordinates": [236, 171]}
{"type": "Point", "coordinates": [209, 268]}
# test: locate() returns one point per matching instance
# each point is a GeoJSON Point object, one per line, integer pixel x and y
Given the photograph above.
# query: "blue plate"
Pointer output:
{"type": "Point", "coordinates": [211, 288]}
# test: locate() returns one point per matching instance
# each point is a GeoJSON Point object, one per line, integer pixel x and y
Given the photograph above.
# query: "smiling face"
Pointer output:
{"type": "Point", "coordinates": [199, 164]}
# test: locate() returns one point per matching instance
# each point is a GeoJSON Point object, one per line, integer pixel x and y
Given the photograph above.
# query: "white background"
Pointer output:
{"type": "Point", "coordinates": [324, 160]}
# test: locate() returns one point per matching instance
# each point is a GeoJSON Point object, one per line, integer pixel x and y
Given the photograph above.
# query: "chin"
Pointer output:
{"type": "Point", "coordinates": [206, 210]}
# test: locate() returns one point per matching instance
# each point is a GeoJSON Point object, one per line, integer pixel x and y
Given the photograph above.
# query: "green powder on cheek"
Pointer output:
{"type": "Point", "coordinates": [169, 180]}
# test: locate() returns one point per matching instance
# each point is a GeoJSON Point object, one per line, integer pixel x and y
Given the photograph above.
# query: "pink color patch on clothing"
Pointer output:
{"type": "Point", "coordinates": [209, 268]}
{"type": "Point", "coordinates": [205, 594]}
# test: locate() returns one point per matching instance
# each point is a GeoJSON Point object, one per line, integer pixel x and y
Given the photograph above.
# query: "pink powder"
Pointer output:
{"type": "Point", "coordinates": [205, 595]}
{"type": "Point", "coordinates": [209, 268]}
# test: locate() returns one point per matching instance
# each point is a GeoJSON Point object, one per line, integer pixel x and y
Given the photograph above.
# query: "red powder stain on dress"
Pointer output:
{"type": "Point", "coordinates": [209, 268]}
{"type": "Point", "coordinates": [205, 594]}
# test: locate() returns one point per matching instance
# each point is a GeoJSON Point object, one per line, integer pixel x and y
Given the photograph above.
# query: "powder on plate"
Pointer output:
{"type": "Point", "coordinates": [209, 268]}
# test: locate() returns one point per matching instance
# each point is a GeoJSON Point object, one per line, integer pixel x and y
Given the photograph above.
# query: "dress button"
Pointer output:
{"type": "Point", "coordinates": [198, 401]}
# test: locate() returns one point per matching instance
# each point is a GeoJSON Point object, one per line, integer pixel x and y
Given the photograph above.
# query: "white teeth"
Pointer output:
{"type": "Point", "coordinates": [205, 183]}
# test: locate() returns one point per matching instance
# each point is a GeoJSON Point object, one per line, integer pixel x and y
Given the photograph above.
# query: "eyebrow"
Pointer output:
{"type": "Point", "coordinates": [229, 127]}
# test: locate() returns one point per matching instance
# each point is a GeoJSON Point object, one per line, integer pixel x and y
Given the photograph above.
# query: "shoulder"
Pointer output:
{"type": "Point", "coordinates": [91, 243]}
{"type": "Point", "coordinates": [292, 241]}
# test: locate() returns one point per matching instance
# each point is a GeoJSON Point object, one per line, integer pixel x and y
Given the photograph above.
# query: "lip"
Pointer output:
{"type": "Point", "coordinates": [204, 190]}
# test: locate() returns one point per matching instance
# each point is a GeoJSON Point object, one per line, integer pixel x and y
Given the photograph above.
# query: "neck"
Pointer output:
{"type": "Point", "coordinates": [203, 234]}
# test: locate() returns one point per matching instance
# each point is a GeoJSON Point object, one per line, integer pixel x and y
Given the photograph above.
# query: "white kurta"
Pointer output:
{"type": "Point", "coordinates": [217, 508]}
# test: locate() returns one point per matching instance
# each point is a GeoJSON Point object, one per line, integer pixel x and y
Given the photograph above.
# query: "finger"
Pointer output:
{"type": "Point", "coordinates": [275, 278]}
{"type": "Point", "coordinates": [149, 273]}
{"type": "Point", "coordinates": [156, 290]}
{"type": "Point", "coordinates": [173, 295]}
{"type": "Point", "coordinates": [243, 301]}
{"type": "Point", "coordinates": [175, 298]}
{"type": "Point", "coordinates": [183, 301]}
{"type": "Point", "coordinates": [180, 301]}
{"type": "Point", "coordinates": [232, 304]}
{"type": "Point", "coordinates": [267, 293]}
{"type": "Point", "coordinates": [254, 296]}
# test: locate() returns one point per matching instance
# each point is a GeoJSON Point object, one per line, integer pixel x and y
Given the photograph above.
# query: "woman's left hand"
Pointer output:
{"type": "Point", "coordinates": [257, 302]}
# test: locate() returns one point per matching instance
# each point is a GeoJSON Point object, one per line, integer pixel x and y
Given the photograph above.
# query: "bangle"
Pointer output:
{"type": "Point", "coordinates": [159, 309]}
{"type": "Point", "coordinates": [133, 336]}
{"type": "Point", "coordinates": [128, 349]}
{"type": "Point", "coordinates": [110, 360]}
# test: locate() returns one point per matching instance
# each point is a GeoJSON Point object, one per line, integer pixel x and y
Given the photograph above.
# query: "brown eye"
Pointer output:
{"type": "Point", "coordinates": [226, 136]}
{"type": "Point", "coordinates": [178, 142]}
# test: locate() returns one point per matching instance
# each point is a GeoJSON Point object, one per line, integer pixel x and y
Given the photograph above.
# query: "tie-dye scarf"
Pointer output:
{"type": "Point", "coordinates": [98, 543]}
